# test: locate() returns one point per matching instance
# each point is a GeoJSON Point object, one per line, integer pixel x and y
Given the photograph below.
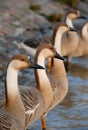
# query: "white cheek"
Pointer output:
{"type": "Point", "coordinates": [12, 79]}
{"type": "Point", "coordinates": [69, 22]}
{"type": "Point", "coordinates": [40, 60]}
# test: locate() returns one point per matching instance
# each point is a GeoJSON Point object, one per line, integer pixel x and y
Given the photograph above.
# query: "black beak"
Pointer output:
{"type": "Point", "coordinates": [58, 56]}
{"type": "Point", "coordinates": [72, 29]}
{"type": "Point", "coordinates": [36, 66]}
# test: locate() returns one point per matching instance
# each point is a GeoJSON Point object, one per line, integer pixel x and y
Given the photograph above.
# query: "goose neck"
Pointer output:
{"type": "Point", "coordinates": [43, 83]}
{"type": "Point", "coordinates": [11, 84]}
{"type": "Point", "coordinates": [14, 103]}
{"type": "Point", "coordinates": [41, 75]}
{"type": "Point", "coordinates": [57, 43]}
{"type": "Point", "coordinates": [69, 22]}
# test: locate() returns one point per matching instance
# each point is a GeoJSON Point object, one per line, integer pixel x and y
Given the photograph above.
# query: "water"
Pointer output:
{"type": "Point", "coordinates": [72, 113]}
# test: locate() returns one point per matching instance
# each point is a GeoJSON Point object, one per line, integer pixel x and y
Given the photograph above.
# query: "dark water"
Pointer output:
{"type": "Point", "coordinates": [72, 113]}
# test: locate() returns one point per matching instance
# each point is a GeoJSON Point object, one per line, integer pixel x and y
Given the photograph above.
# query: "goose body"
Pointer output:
{"type": "Point", "coordinates": [82, 48]}
{"type": "Point", "coordinates": [69, 43]}
{"type": "Point", "coordinates": [12, 116]}
{"type": "Point", "coordinates": [34, 104]}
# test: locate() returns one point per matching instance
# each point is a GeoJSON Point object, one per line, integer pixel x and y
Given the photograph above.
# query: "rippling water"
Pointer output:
{"type": "Point", "coordinates": [72, 113]}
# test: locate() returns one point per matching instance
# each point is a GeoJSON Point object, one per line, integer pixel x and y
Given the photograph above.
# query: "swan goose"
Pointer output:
{"type": "Point", "coordinates": [12, 116]}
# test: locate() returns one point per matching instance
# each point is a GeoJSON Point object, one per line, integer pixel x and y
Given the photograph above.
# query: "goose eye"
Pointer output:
{"type": "Point", "coordinates": [22, 60]}
{"type": "Point", "coordinates": [29, 57]}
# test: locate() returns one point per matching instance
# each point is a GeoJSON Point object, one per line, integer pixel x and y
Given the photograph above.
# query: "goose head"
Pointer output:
{"type": "Point", "coordinates": [46, 51]}
{"type": "Point", "coordinates": [84, 31]}
{"type": "Point", "coordinates": [20, 61]}
{"type": "Point", "coordinates": [71, 16]}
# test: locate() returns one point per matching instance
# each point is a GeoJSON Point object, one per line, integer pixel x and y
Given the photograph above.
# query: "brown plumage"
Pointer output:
{"type": "Point", "coordinates": [33, 102]}
{"type": "Point", "coordinates": [69, 43]}
{"type": "Point", "coordinates": [12, 115]}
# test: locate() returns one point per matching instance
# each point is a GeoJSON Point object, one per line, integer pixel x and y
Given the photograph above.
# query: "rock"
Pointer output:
{"type": "Point", "coordinates": [83, 7]}
{"type": "Point", "coordinates": [18, 32]}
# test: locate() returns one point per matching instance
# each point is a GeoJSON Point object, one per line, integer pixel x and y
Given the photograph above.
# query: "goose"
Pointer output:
{"type": "Point", "coordinates": [82, 48]}
{"type": "Point", "coordinates": [67, 48]}
{"type": "Point", "coordinates": [57, 73]}
{"type": "Point", "coordinates": [75, 20]}
{"type": "Point", "coordinates": [38, 99]}
{"type": "Point", "coordinates": [12, 116]}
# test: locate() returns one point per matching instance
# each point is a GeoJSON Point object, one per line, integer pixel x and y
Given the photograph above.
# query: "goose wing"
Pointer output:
{"type": "Point", "coordinates": [35, 42]}
{"type": "Point", "coordinates": [33, 102]}
{"type": "Point", "coordinates": [9, 122]}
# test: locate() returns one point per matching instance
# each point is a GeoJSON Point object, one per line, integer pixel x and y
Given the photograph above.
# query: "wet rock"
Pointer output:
{"type": "Point", "coordinates": [18, 32]}
{"type": "Point", "coordinates": [6, 15]}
